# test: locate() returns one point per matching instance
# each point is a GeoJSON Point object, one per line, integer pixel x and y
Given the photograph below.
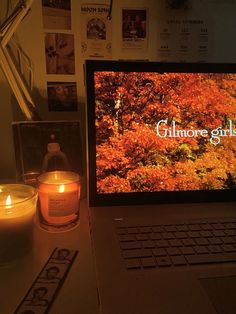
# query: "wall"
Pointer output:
{"type": "Point", "coordinates": [31, 36]}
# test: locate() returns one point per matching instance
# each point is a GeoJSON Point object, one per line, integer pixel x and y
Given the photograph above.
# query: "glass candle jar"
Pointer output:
{"type": "Point", "coordinates": [17, 211]}
{"type": "Point", "coordinates": [59, 194]}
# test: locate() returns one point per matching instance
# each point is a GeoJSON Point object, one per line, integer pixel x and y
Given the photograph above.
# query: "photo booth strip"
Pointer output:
{"type": "Point", "coordinates": [47, 284]}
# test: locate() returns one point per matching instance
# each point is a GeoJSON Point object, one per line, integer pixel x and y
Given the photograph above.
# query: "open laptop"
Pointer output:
{"type": "Point", "coordinates": [161, 181]}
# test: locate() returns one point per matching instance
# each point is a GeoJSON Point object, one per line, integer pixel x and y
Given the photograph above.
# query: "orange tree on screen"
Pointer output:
{"type": "Point", "coordinates": [130, 155]}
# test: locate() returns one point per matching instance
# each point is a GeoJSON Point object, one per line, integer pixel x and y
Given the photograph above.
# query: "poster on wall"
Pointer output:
{"type": "Point", "coordinates": [60, 56]}
{"type": "Point", "coordinates": [184, 40]}
{"type": "Point", "coordinates": [96, 31]}
{"type": "Point", "coordinates": [134, 28]}
{"type": "Point", "coordinates": [56, 14]}
{"type": "Point", "coordinates": [62, 96]}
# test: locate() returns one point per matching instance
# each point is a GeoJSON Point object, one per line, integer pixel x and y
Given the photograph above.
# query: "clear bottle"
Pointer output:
{"type": "Point", "coordinates": [54, 159]}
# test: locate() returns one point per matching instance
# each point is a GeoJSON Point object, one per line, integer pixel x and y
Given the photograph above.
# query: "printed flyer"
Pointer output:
{"type": "Point", "coordinates": [96, 31]}
{"type": "Point", "coordinates": [184, 40]}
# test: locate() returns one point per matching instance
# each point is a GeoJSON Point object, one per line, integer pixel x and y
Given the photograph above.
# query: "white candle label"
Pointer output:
{"type": "Point", "coordinates": [62, 204]}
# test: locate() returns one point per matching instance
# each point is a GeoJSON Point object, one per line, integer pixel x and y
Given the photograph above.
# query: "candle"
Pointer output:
{"type": "Point", "coordinates": [59, 193]}
{"type": "Point", "coordinates": [17, 211]}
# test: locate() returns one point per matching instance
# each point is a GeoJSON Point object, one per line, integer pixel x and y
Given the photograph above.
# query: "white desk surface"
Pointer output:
{"type": "Point", "coordinates": [78, 293]}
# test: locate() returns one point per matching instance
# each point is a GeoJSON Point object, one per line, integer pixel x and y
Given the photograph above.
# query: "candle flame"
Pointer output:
{"type": "Point", "coordinates": [61, 188]}
{"type": "Point", "coordinates": [8, 202]}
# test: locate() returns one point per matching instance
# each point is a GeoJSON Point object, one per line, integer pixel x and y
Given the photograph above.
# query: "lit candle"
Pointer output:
{"type": "Point", "coordinates": [59, 193]}
{"type": "Point", "coordinates": [17, 211]}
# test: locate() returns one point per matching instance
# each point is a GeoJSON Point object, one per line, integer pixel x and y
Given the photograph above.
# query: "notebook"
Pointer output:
{"type": "Point", "coordinates": [161, 141]}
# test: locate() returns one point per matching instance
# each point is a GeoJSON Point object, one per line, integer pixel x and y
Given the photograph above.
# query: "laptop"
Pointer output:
{"type": "Point", "coordinates": [161, 141]}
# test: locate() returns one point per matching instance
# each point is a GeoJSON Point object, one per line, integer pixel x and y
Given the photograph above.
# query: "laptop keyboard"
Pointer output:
{"type": "Point", "coordinates": [170, 245]}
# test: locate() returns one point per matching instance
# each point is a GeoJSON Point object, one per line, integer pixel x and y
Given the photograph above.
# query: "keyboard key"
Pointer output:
{"type": "Point", "coordinates": [230, 232]}
{"type": "Point", "coordinates": [145, 253]}
{"type": "Point", "coordinates": [228, 240]}
{"type": "Point", "coordinates": [127, 237]}
{"type": "Point", "coordinates": [167, 235]}
{"type": "Point", "coordinates": [142, 236]}
{"type": "Point", "coordinates": [159, 252]}
{"type": "Point", "coordinates": [132, 264]}
{"type": "Point", "coordinates": [218, 233]}
{"type": "Point", "coordinates": [162, 243]}
{"type": "Point", "coordinates": [130, 245]}
{"type": "Point", "coordinates": [155, 236]}
{"type": "Point", "coordinates": [215, 240]}
{"type": "Point", "coordinates": [215, 248]}
{"type": "Point", "coordinates": [148, 262]}
{"type": "Point", "coordinates": [218, 226]}
{"type": "Point", "coordinates": [131, 253]}
{"type": "Point", "coordinates": [145, 229]}
{"type": "Point", "coordinates": [206, 227]}
{"type": "Point", "coordinates": [201, 249]}
{"type": "Point", "coordinates": [205, 233]}
{"type": "Point", "coordinates": [211, 258]}
{"type": "Point", "coordinates": [193, 234]}
{"type": "Point", "coordinates": [228, 247]}
{"type": "Point", "coordinates": [189, 242]}
{"type": "Point", "coordinates": [175, 242]}
{"type": "Point", "coordinates": [230, 225]}
{"type": "Point", "coordinates": [182, 227]}
{"type": "Point", "coordinates": [158, 229]}
{"type": "Point", "coordinates": [173, 251]}
{"type": "Point", "coordinates": [132, 230]}
{"type": "Point", "coordinates": [194, 227]}
{"type": "Point", "coordinates": [136, 253]}
{"type": "Point", "coordinates": [187, 250]}
{"type": "Point", "coordinates": [163, 261]}
{"type": "Point", "coordinates": [202, 241]}
{"type": "Point", "coordinates": [180, 235]}
{"type": "Point", "coordinates": [148, 244]}
{"type": "Point", "coordinates": [170, 228]}
{"type": "Point", "coordinates": [178, 260]}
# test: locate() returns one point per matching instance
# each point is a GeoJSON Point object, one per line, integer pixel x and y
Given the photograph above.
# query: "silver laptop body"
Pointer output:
{"type": "Point", "coordinates": [162, 170]}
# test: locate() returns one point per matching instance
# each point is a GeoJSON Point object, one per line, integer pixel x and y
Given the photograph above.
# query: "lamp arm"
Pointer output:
{"type": "Point", "coordinates": [13, 76]}
{"type": "Point", "coordinates": [4, 62]}
{"type": "Point", "coordinates": [11, 23]}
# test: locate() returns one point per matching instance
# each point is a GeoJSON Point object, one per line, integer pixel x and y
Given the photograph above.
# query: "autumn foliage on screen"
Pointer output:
{"type": "Point", "coordinates": [131, 157]}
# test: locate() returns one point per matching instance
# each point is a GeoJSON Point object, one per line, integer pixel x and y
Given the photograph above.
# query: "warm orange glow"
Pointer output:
{"type": "Point", "coordinates": [8, 202]}
{"type": "Point", "coordinates": [55, 176]}
{"type": "Point", "coordinates": [61, 188]}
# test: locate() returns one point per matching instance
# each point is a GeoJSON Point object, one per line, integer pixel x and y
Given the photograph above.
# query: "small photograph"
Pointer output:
{"type": "Point", "coordinates": [96, 29]}
{"type": "Point", "coordinates": [179, 4]}
{"type": "Point", "coordinates": [39, 297]}
{"type": "Point", "coordinates": [134, 24]}
{"type": "Point", "coordinates": [62, 96]}
{"type": "Point", "coordinates": [52, 274]}
{"type": "Point", "coordinates": [63, 256]}
{"type": "Point", "coordinates": [56, 14]}
{"type": "Point", "coordinates": [60, 56]}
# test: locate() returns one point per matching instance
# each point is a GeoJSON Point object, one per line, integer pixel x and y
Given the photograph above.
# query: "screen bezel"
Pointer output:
{"type": "Point", "coordinates": [96, 199]}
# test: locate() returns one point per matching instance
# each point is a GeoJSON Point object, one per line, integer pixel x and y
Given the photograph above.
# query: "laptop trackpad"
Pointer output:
{"type": "Point", "coordinates": [221, 291]}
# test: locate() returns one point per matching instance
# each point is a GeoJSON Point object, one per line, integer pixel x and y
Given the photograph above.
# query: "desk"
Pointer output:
{"type": "Point", "coordinates": [79, 291]}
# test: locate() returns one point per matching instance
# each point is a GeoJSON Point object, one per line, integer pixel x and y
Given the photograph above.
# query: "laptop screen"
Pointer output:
{"type": "Point", "coordinates": [160, 132]}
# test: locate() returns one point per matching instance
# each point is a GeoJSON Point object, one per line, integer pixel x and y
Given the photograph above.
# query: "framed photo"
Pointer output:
{"type": "Point", "coordinates": [62, 96]}
{"type": "Point", "coordinates": [33, 142]}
